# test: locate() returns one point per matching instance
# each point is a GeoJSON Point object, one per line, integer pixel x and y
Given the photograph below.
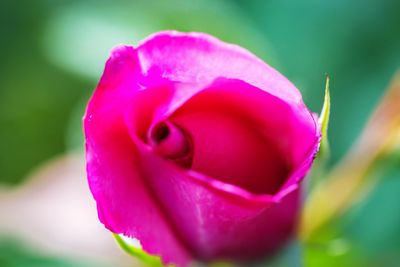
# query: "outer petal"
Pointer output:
{"type": "Point", "coordinates": [216, 224]}
{"type": "Point", "coordinates": [201, 58]}
{"type": "Point", "coordinates": [125, 203]}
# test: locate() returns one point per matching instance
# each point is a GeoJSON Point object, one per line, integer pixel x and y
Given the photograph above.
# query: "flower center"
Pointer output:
{"type": "Point", "coordinates": [160, 133]}
{"type": "Point", "coordinates": [171, 142]}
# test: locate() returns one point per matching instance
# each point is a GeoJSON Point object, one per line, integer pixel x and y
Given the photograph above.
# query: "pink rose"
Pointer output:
{"type": "Point", "coordinates": [196, 148]}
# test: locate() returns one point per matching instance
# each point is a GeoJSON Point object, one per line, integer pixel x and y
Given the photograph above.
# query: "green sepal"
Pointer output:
{"type": "Point", "coordinates": [147, 259]}
{"type": "Point", "coordinates": [323, 121]}
{"type": "Point", "coordinates": [318, 169]}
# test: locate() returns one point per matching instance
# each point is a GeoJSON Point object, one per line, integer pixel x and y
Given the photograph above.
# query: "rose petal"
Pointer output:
{"type": "Point", "coordinates": [201, 58]}
{"type": "Point", "coordinates": [215, 224]}
{"type": "Point", "coordinates": [124, 201]}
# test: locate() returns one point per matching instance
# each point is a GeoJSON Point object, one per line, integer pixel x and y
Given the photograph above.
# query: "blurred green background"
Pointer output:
{"type": "Point", "coordinates": [53, 52]}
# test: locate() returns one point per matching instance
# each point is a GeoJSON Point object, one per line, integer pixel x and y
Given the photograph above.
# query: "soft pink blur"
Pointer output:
{"type": "Point", "coordinates": [54, 214]}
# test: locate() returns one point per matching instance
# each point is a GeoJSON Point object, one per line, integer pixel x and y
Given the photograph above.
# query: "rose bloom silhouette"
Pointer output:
{"type": "Point", "coordinates": [196, 148]}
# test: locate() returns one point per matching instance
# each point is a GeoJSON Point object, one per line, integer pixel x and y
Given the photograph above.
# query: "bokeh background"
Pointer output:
{"type": "Point", "coordinates": [53, 53]}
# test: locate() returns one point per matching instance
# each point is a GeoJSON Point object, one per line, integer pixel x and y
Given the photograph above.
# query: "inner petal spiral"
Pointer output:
{"type": "Point", "coordinates": [171, 142]}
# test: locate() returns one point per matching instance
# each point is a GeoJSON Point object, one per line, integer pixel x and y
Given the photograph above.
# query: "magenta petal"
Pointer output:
{"type": "Point", "coordinates": [125, 203]}
{"type": "Point", "coordinates": [201, 58]}
{"type": "Point", "coordinates": [219, 225]}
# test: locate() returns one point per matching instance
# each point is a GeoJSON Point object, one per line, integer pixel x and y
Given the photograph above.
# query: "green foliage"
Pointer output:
{"type": "Point", "coordinates": [53, 54]}
{"type": "Point", "coordinates": [368, 234]}
{"type": "Point", "coordinates": [14, 254]}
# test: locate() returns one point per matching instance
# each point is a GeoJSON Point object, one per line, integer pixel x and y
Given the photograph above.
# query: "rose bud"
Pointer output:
{"type": "Point", "coordinates": [197, 148]}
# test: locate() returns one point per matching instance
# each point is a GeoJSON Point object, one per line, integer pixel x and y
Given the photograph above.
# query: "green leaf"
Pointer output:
{"type": "Point", "coordinates": [318, 169]}
{"type": "Point", "coordinates": [147, 259]}
{"type": "Point", "coordinates": [324, 121]}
